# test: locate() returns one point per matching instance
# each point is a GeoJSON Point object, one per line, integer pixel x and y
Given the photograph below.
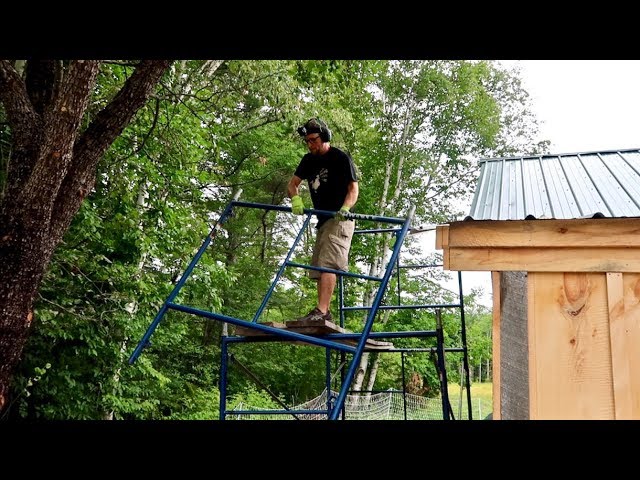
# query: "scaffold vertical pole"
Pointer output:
{"type": "Point", "coordinates": [372, 314]}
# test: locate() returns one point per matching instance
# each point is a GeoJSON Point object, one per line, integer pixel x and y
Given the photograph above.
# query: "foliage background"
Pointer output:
{"type": "Point", "coordinates": [213, 128]}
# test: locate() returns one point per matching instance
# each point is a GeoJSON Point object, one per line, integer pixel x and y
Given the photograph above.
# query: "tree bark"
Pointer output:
{"type": "Point", "coordinates": [51, 171]}
{"type": "Point", "coordinates": [361, 372]}
{"type": "Point", "coordinates": [372, 374]}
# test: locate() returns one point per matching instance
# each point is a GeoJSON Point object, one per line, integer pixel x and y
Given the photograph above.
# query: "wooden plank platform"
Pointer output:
{"type": "Point", "coordinates": [314, 328]}
{"type": "Point", "coordinates": [252, 332]}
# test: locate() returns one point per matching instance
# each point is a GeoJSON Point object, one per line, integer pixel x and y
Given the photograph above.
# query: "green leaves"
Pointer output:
{"type": "Point", "coordinates": [413, 129]}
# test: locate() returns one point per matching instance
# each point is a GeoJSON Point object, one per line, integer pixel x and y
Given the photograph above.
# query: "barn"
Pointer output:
{"type": "Point", "coordinates": [561, 235]}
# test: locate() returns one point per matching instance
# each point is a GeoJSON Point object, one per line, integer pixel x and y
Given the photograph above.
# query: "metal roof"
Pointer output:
{"type": "Point", "coordinates": [568, 185]}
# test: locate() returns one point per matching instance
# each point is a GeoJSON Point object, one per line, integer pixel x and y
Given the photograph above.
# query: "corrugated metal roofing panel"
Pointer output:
{"type": "Point", "coordinates": [580, 181]}
{"type": "Point", "coordinates": [537, 199]}
{"type": "Point", "coordinates": [625, 172]}
{"type": "Point", "coordinates": [560, 196]}
{"type": "Point", "coordinates": [570, 185]}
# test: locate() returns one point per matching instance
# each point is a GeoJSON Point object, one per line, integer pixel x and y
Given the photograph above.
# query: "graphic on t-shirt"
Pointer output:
{"type": "Point", "coordinates": [322, 176]}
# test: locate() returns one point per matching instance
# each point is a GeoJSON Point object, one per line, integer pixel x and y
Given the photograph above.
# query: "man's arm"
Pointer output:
{"type": "Point", "coordinates": [294, 183]}
{"type": "Point", "coordinates": [297, 205]}
{"type": "Point", "coordinates": [349, 201]}
{"type": "Point", "coordinates": [352, 195]}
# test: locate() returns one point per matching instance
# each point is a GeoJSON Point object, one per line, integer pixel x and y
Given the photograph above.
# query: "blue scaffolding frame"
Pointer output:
{"type": "Point", "coordinates": [329, 341]}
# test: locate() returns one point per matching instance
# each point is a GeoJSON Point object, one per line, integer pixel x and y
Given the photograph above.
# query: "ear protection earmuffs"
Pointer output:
{"type": "Point", "coordinates": [315, 125]}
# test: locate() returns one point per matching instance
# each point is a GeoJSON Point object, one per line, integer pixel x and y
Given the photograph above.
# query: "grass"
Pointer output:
{"type": "Point", "coordinates": [481, 400]}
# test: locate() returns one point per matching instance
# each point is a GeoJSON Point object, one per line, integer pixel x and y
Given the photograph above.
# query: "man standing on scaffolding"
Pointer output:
{"type": "Point", "coordinates": [333, 185]}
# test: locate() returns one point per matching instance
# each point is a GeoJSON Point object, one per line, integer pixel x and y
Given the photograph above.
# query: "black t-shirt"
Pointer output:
{"type": "Point", "coordinates": [328, 176]}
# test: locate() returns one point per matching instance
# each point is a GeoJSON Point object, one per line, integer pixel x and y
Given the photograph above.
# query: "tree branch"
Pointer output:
{"type": "Point", "coordinates": [98, 137]}
{"type": "Point", "coordinates": [20, 112]}
{"type": "Point", "coordinates": [42, 80]}
{"type": "Point", "coordinates": [61, 124]}
{"type": "Point", "coordinates": [110, 122]}
{"type": "Point", "coordinates": [156, 115]}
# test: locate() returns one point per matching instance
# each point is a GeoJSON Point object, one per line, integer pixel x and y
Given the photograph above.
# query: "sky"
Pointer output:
{"type": "Point", "coordinates": [581, 105]}
{"type": "Point", "coordinates": [585, 105]}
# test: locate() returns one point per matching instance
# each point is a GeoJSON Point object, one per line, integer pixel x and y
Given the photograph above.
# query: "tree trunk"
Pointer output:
{"type": "Point", "coordinates": [51, 171]}
{"type": "Point", "coordinates": [372, 374]}
{"type": "Point", "coordinates": [388, 198]}
{"type": "Point", "coordinates": [360, 373]}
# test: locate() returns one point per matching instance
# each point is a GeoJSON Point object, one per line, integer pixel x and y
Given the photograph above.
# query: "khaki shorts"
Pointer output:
{"type": "Point", "coordinates": [331, 250]}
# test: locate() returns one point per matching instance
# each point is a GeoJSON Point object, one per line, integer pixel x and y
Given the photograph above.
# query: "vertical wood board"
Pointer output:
{"type": "Point", "coordinates": [624, 323]}
{"type": "Point", "coordinates": [569, 347]}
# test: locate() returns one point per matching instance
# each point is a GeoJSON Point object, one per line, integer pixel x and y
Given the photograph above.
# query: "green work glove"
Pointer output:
{"type": "Point", "coordinates": [297, 206]}
{"type": "Point", "coordinates": [341, 215]}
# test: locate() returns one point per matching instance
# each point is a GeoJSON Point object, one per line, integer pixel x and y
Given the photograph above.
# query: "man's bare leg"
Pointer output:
{"type": "Point", "coordinates": [326, 285]}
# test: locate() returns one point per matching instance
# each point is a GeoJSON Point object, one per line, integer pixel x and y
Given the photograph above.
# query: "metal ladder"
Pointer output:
{"type": "Point", "coordinates": [333, 409]}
